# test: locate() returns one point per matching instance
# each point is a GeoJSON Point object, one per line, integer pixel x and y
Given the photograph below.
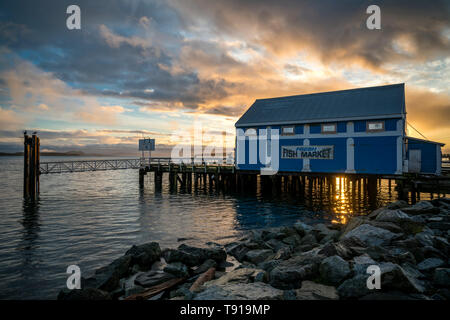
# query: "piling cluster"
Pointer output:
{"type": "Point", "coordinates": [409, 244]}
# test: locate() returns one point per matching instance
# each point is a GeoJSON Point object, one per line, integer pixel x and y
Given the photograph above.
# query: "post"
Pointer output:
{"type": "Point", "coordinates": [31, 166]}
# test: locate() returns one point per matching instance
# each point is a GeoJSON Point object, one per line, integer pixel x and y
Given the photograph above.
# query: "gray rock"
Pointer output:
{"type": "Point", "coordinates": [309, 239]}
{"type": "Point", "coordinates": [421, 207]}
{"type": "Point", "coordinates": [237, 250]}
{"type": "Point", "coordinates": [399, 204]}
{"type": "Point", "coordinates": [395, 216]}
{"type": "Point", "coordinates": [173, 255]}
{"type": "Point", "coordinates": [371, 236]}
{"type": "Point", "coordinates": [107, 278]}
{"type": "Point", "coordinates": [441, 277]}
{"type": "Point", "coordinates": [354, 287]}
{"type": "Point", "coordinates": [258, 256]}
{"type": "Point", "coordinates": [282, 253]}
{"type": "Point", "coordinates": [315, 291]}
{"type": "Point", "coordinates": [178, 269]}
{"type": "Point", "coordinates": [334, 269]}
{"type": "Point", "coordinates": [205, 266]}
{"type": "Point", "coordinates": [292, 240]}
{"type": "Point", "coordinates": [145, 254]}
{"type": "Point", "coordinates": [360, 263]}
{"type": "Point", "coordinates": [290, 276]}
{"type": "Point", "coordinates": [424, 238]}
{"type": "Point", "coordinates": [241, 291]}
{"type": "Point", "coordinates": [269, 265]}
{"type": "Point", "coordinates": [429, 264]}
{"type": "Point", "coordinates": [394, 277]}
{"type": "Point", "coordinates": [215, 252]}
{"type": "Point", "coordinates": [152, 278]}
{"type": "Point", "coordinates": [302, 228]}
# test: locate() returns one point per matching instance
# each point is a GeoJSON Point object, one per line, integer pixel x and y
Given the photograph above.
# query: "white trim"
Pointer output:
{"type": "Point", "coordinates": [343, 135]}
{"type": "Point", "coordinates": [350, 156]}
{"type": "Point", "coordinates": [377, 117]}
{"type": "Point", "coordinates": [306, 164]}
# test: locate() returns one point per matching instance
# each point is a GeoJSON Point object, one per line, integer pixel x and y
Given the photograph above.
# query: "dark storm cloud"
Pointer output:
{"type": "Point", "coordinates": [90, 61]}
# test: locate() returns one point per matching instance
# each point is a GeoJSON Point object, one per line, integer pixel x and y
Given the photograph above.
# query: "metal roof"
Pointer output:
{"type": "Point", "coordinates": [361, 103]}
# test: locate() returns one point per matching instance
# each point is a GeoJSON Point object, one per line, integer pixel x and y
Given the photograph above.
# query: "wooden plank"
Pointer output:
{"type": "Point", "coordinates": [204, 277]}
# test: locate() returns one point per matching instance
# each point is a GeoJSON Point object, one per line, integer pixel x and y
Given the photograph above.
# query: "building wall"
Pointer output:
{"type": "Point", "coordinates": [355, 150]}
{"type": "Point", "coordinates": [430, 155]}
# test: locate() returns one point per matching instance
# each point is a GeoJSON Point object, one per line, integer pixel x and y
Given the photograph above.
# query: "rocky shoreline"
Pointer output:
{"type": "Point", "coordinates": [409, 243]}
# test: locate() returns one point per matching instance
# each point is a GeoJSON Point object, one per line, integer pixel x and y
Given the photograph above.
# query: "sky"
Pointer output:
{"type": "Point", "coordinates": [161, 69]}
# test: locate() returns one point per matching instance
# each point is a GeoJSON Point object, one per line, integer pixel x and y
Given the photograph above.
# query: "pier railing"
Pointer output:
{"type": "Point", "coordinates": [120, 164]}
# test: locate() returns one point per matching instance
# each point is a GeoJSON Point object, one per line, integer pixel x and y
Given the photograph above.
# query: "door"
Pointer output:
{"type": "Point", "coordinates": [415, 161]}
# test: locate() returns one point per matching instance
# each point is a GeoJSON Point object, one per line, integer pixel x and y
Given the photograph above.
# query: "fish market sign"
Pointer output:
{"type": "Point", "coordinates": [307, 152]}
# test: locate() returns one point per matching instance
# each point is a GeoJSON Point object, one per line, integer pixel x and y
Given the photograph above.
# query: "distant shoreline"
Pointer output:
{"type": "Point", "coordinates": [52, 154]}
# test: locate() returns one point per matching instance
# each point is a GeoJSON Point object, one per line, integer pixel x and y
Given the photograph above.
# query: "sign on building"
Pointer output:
{"type": "Point", "coordinates": [307, 152]}
{"type": "Point", "coordinates": [146, 144]}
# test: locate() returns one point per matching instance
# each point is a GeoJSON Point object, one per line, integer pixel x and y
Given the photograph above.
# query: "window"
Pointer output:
{"type": "Point", "coordinates": [287, 131]}
{"type": "Point", "coordinates": [250, 132]}
{"type": "Point", "coordinates": [329, 128]}
{"type": "Point", "coordinates": [375, 126]}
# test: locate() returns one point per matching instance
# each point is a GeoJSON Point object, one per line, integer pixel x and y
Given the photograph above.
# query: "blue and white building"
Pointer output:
{"type": "Point", "coordinates": [360, 131]}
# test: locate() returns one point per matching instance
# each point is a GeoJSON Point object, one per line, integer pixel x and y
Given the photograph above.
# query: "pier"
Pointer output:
{"type": "Point", "coordinates": [216, 173]}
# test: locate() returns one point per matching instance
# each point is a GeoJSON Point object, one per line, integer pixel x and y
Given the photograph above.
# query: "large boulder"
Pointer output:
{"type": "Point", "coordinates": [241, 291]}
{"type": "Point", "coordinates": [107, 278]}
{"type": "Point", "coordinates": [315, 291]}
{"type": "Point", "coordinates": [394, 277]}
{"type": "Point", "coordinates": [302, 228]}
{"type": "Point", "coordinates": [360, 263]}
{"type": "Point", "coordinates": [334, 269]}
{"type": "Point", "coordinates": [237, 250]}
{"type": "Point", "coordinates": [215, 252]}
{"type": "Point", "coordinates": [290, 276]}
{"type": "Point", "coordinates": [145, 254]}
{"type": "Point", "coordinates": [371, 236]}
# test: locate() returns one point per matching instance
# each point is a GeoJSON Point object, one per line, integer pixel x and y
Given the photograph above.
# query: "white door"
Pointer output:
{"type": "Point", "coordinates": [415, 161]}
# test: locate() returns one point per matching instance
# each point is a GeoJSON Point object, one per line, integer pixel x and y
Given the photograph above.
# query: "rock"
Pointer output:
{"type": "Point", "coordinates": [309, 239]}
{"type": "Point", "coordinates": [371, 236]}
{"type": "Point", "coordinates": [315, 291]}
{"type": "Point", "coordinates": [395, 277]}
{"type": "Point", "coordinates": [302, 228]}
{"type": "Point", "coordinates": [145, 254]}
{"type": "Point", "coordinates": [421, 207]}
{"type": "Point", "coordinates": [84, 294]}
{"type": "Point", "coordinates": [338, 248]}
{"type": "Point", "coordinates": [172, 255]}
{"type": "Point", "coordinates": [353, 223]}
{"type": "Point", "coordinates": [321, 231]}
{"type": "Point", "coordinates": [215, 253]}
{"type": "Point", "coordinates": [268, 265]}
{"type": "Point", "coordinates": [205, 266]}
{"type": "Point", "coordinates": [107, 278]}
{"type": "Point", "coordinates": [289, 295]}
{"type": "Point", "coordinates": [360, 263]}
{"type": "Point", "coordinates": [390, 226]}
{"type": "Point", "coordinates": [399, 256]}
{"type": "Point", "coordinates": [424, 238]}
{"type": "Point", "coordinates": [441, 277]}
{"type": "Point", "coordinates": [354, 287]}
{"type": "Point", "coordinates": [129, 287]}
{"type": "Point", "coordinates": [395, 216]}
{"type": "Point", "coordinates": [178, 269]}
{"type": "Point", "coordinates": [334, 269]}
{"type": "Point", "coordinates": [290, 276]}
{"type": "Point", "coordinates": [293, 240]}
{"type": "Point", "coordinates": [152, 278]}
{"type": "Point", "coordinates": [261, 277]}
{"type": "Point", "coordinates": [399, 204]}
{"type": "Point", "coordinates": [443, 226]}
{"type": "Point", "coordinates": [429, 264]}
{"type": "Point", "coordinates": [241, 275]}
{"type": "Point", "coordinates": [258, 256]}
{"type": "Point", "coordinates": [237, 250]}
{"type": "Point", "coordinates": [241, 291]}
{"type": "Point", "coordinates": [282, 253]}
{"type": "Point", "coordinates": [393, 295]}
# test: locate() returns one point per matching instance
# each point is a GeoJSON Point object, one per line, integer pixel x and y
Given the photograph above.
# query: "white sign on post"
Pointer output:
{"type": "Point", "coordinates": [146, 144]}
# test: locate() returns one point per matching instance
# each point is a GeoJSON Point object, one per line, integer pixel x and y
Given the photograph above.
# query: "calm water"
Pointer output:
{"type": "Point", "coordinates": [91, 218]}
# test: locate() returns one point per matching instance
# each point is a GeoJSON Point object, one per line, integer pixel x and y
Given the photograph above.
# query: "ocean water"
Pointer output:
{"type": "Point", "coordinates": [89, 219]}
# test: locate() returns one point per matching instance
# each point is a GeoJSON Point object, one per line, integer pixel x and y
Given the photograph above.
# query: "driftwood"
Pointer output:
{"type": "Point", "coordinates": [153, 291]}
{"type": "Point", "coordinates": [204, 277]}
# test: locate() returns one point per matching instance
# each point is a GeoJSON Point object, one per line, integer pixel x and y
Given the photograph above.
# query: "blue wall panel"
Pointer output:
{"type": "Point", "coordinates": [428, 154]}
{"type": "Point", "coordinates": [376, 155]}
